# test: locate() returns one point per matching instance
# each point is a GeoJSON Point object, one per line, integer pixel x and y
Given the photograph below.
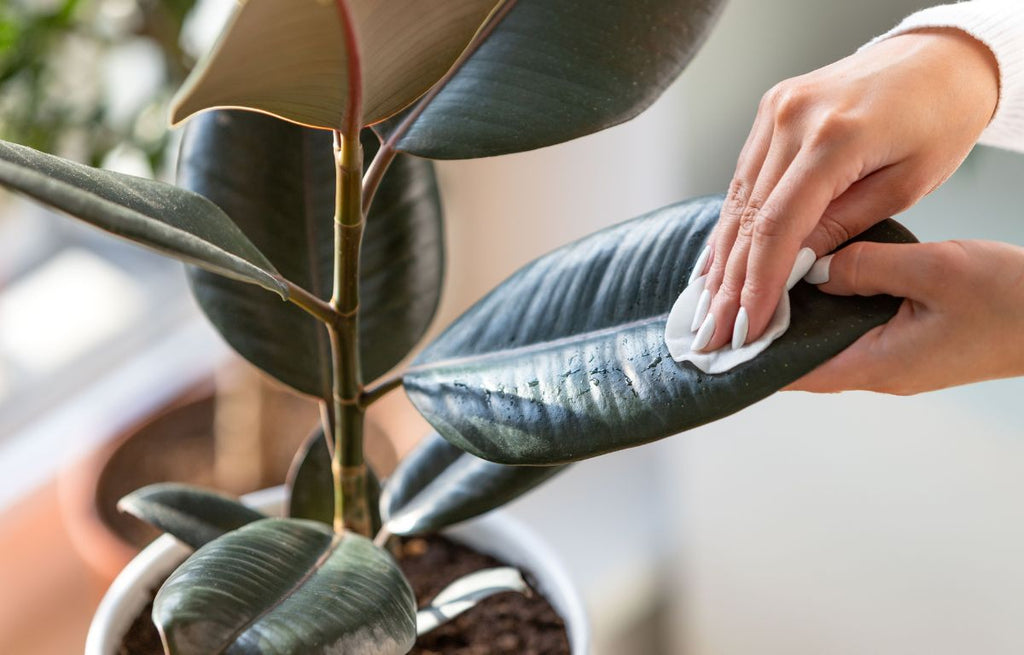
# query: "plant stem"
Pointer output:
{"type": "Point", "coordinates": [351, 511]}
{"type": "Point", "coordinates": [375, 174]}
{"type": "Point", "coordinates": [380, 389]}
{"type": "Point", "coordinates": [311, 304]}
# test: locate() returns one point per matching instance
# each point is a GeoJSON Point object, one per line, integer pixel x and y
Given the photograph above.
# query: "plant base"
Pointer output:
{"type": "Point", "coordinates": [506, 624]}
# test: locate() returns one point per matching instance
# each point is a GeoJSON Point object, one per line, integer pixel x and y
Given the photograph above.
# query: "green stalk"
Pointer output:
{"type": "Point", "coordinates": [351, 510]}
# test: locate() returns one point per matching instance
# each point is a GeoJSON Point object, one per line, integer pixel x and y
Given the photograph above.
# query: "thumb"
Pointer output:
{"type": "Point", "coordinates": [905, 270]}
{"type": "Point", "coordinates": [866, 202]}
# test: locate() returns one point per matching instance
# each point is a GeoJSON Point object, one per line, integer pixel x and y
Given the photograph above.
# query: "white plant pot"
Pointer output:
{"type": "Point", "coordinates": [494, 534]}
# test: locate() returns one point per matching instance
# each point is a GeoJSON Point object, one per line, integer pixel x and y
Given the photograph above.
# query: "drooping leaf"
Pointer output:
{"type": "Point", "coordinates": [296, 60]}
{"type": "Point", "coordinates": [277, 181]}
{"type": "Point", "coordinates": [287, 586]}
{"type": "Point", "coordinates": [541, 72]}
{"type": "Point", "coordinates": [172, 221]}
{"type": "Point", "coordinates": [437, 485]}
{"type": "Point", "coordinates": [566, 359]}
{"type": "Point", "coordinates": [465, 593]}
{"type": "Point", "coordinates": [311, 487]}
{"type": "Point", "coordinates": [195, 516]}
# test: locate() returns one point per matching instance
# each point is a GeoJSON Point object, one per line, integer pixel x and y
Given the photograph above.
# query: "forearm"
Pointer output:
{"type": "Point", "coordinates": [999, 24]}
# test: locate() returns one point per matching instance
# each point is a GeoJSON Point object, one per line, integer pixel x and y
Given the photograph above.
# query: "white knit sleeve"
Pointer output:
{"type": "Point", "coordinates": [999, 24]}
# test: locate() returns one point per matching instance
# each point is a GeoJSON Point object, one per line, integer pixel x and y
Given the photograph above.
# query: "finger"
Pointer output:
{"type": "Point", "coordinates": [905, 270]}
{"type": "Point", "coordinates": [816, 177]}
{"type": "Point", "coordinates": [748, 166]}
{"type": "Point", "coordinates": [733, 265]}
{"type": "Point", "coordinates": [869, 363]}
{"type": "Point", "coordinates": [874, 198]}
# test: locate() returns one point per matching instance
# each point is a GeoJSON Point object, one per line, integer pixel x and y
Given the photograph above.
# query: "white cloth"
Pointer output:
{"type": "Point", "coordinates": [999, 24]}
{"type": "Point", "coordinates": [679, 337]}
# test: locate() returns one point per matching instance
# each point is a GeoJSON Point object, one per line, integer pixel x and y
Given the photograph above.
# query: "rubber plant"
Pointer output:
{"type": "Point", "coordinates": [310, 109]}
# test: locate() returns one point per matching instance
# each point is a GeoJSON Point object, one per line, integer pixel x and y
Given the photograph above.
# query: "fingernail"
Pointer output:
{"type": "Point", "coordinates": [804, 261]}
{"type": "Point", "coordinates": [739, 329]}
{"type": "Point", "coordinates": [703, 305]}
{"type": "Point", "coordinates": [702, 263]}
{"type": "Point", "coordinates": [820, 271]}
{"type": "Point", "coordinates": [704, 334]}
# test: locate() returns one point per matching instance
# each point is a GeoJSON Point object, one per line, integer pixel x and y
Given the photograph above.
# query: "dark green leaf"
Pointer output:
{"type": "Point", "coordinates": [193, 515]}
{"type": "Point", "coordinates": [543, 72]}
{"type": "Point", "coordinates": [287, 586]}
{"type": "Point", "coordinates": [566, 359]}
{"type": "Point", "coordinates": [170, 220]}
{"type": "Point", "coordinates": [311, 487]}
{"type": "Point", "coordinates": [437, 485]}
{"type": "Point", "coordinates": [277, 181]}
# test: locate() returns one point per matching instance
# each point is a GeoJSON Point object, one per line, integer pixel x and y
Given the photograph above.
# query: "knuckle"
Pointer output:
{"type": "Point", "coordinates": [835, 232]}
{"type": "Point", "coordinates": [748, 218]}
{"type": "Point", "coordinates": [729, 292]}
{"type": "Point", "coordinates": [854, 259]}
{"type": "Point", "coordinates": [769, 225]}
{"type": "Point", "coordinates": [790, 102]}
{"type": "Point", "coordinates": [736, 197]}
{"type": "Point", "coordinates": [771, 97]}
{"type": "Point", "coordinates": [950, 258]}
{"type": "Point", "coordinates": [836, 127]}
{"type": "Point", "coordinates": [754, 293]}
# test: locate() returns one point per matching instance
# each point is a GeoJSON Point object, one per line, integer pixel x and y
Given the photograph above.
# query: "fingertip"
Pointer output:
{"type": "Point", "coordinates": [819, 271]}
{"type": "Point", "coordinates": [804, 261]}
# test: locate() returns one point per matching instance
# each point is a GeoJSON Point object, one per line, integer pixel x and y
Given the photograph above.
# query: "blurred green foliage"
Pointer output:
{"type": "Point", "coordinates": [52, 58]}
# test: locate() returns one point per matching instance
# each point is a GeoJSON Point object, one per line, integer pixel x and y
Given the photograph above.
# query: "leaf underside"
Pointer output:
{"type": "Point", "coordinates": [566, 359]}
{"type": "Point", "coordinates": [295, 60]}
{"type": "Point", "coordinates": [465, 593]}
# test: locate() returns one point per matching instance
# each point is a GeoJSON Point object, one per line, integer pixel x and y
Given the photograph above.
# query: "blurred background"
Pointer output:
{"type": "Point", "coordinates": [854, 523]}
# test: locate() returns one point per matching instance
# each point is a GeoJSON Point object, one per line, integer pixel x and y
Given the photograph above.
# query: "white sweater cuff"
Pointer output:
{"type": "Point", "coordinates": [999, 24]}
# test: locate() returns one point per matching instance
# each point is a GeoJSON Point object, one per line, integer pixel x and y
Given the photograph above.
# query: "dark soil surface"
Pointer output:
{"type": "Point", "coordinates": [504, 624]}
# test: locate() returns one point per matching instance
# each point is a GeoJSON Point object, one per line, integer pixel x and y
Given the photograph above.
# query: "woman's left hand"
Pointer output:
{"type": "Point", "coordinates": [962, 319]}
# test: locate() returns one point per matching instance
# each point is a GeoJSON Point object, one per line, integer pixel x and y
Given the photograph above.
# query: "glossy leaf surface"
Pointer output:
{"type": "Point", "coordinates": [465, 593]}
{"type": "Point", "coordinates": [311, 487]}
{"type": "Point", "coordinates": [296, 59]}
{"type": "Point", "coordinates": [277, 181]}
{"type": "Point", "coordinates": [195, 516]}
{"type": "Point", "coordinates": [437, 485]}
{"type": "Point", "coordinates": [566, 359]}
{"type": "Point", "coordinates": [172, 221]}
{"type": "Point", "coordinates": [287, 586]}
{"type": "Point", "coordinates": [541, 72]}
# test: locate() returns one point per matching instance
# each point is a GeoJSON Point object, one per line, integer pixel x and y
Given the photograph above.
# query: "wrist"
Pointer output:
{"type": "Point", "coordinates": [975, 64]}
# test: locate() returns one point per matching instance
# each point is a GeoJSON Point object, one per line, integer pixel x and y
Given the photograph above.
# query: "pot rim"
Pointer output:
{"type": "Point", "coordinates": [496, 534]}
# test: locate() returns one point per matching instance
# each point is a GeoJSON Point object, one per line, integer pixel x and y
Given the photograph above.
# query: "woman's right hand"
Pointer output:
{"type": "Point", "coordinates": [837, 150]}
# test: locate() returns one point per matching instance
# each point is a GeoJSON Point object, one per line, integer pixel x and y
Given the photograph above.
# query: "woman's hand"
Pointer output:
{"type": "Point", "coordinates": [837, 150]}
{"type": "Point", "coordinates": [962, 320]}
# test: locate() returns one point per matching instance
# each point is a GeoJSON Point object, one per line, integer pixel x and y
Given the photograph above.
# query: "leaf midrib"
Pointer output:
{"type": "Point", "coordinates": [493, 22]}
{"type": "Point", "coordinates": [537, 346]}
{"type": "Point", "coordinates": [329, 550]}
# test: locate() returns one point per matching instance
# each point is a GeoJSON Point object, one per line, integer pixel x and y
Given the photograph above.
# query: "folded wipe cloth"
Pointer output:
{"type": "Point", "coordinates": [679, 335]}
